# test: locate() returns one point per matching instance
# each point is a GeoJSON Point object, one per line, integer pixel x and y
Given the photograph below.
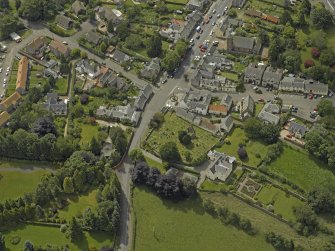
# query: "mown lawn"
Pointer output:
{"type": "Point", "coordinates": [87, 133]}
{"type": "Point", "coordinates": [78, 204]}
{"type": "Point", "coordinates": [169, 132]}
{"type": "Point", "coordinates": [61, 86]}
{"type": "Point", "coordinates": [154, 163]}
{"type": "Point", "coordinates": [258, 108]}
{"type": "Point", "coordinates": [230, 75]}
{"type": "Point", "coordinates": [42, 235]}
{"type": "Point", "coordinates": [164, 225]}
{"type": "Point", "coordinates": [13, 183]}
{"type": "Point", "coordinates": [209, 185]}
{"type": "Point", "coordinates": [302, 169]}
{"type": "Point", "coordinates": [253, 147]}
{"type": "Point", "coordinates": [283, 203]}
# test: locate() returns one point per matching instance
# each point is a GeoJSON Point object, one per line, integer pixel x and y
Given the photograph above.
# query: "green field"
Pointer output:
{"type": "Point", "coordinates": [230, 76]}
{"type": "Point", "coordinates": [42, 235]}
{"type": "Point", "coordinates": [164, 225]}
{"type": "Point", "coordinates": [282, 203]}
{"type": "Point", "coordinates": [87, 133]}
{"type": "Point", "coordinates": [253, 147]}
{"type": "Point", "coordinates": [169, 132]}
{"type": "Point", "coordinates": [13, 183]}
{"type": "Point", "coordinates": [154, 163]}
{"type": "Point", "coordinates": [61, 86]}
{"type": "Point", "coordinates": [302, 169]}
{"type": "Point", "coordinates": [209, 185]}
{"type": "Point", "coordinates": [78, 204]}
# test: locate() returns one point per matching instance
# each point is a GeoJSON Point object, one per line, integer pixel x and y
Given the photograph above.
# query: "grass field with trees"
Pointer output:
{"type": "Point", "coordinates": [302, 169]}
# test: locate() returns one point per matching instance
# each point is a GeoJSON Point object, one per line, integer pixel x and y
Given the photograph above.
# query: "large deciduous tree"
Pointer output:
{"type": "Point", "coordinates": [154, 46]}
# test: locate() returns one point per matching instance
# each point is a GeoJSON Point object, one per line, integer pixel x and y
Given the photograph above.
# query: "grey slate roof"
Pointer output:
{"type": "Point", "coordinates": [55, 106]}
{"type": "Point", "coordinates": [93, 37]}
{"type": "Point", "coordinates": [64, 21]}
{"type": "Point", "coordinates": [254, 71]}
{"type": "Point", "coordinates": [227, 100]}
{"type": "Point", "coordinates": [268, 113]}
{"type": "Point", "coordinates": [272, 76]}
{"type": "Point", "coordinates": [120, 56]}
{"type": "Point", "coordinates": [227, 123]}
{"type": "Point", "coordinates": [186, 115]}
{"type": "Point", "coordinates": [297, 128]}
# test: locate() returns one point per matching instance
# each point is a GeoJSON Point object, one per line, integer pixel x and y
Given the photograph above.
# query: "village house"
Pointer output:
{"type": "Point", "coordinates": [151, 70]}
{"type": "Point", "coordinates": [4, 118]}
{"type": "Point", "coordinates": [292, 84]}
{"type": "Point", "coordinates": [229, 24]}
{"type": "Point", "coordinates": [64, 22]}
{"type": "Point", "coordinates": [315, 87]}
{"type": "Point", "coordinates": [269, 113]}
{"type": "Point", "coordinates": [90, 68]}
{"type": "Point", "coordinates": [109, 78]}
{"type": "Point", "coordinates": [186, 115]}
{"type": "Point", "coordinates": [10, 103]}
{"type": "Point", "coordinates": [195, 101]}
{"type": "Point", "coordinates": [238, 3]}
{"type": "Point", "coordinates": [246, 107]}
{"type": "Point", "coordinates": [55, 105]}
{"type": "Point", "coordinates": [218, 84]}
{"type": "Point", "coordinates": [243, 45]}
{"type": "Point", "coordinates": [126, 114]}
{"type": "Point", "coordinates": [193, 20]}
{"type": "Point", "coordinates": [272, 77]}
{"type": "Point", "coordinates": [221, 166]}
{"type": "Point", "coordinates": [22, 75]}
{"type": "Point", "coordinates": [253, 73]}
{"type": "Point", "coordinates": [120, 56]}
{"type": "Point", "coordinates": [59, 49]}
{"type": "Point", "coordinates": [143, 97]}
{"type": "Point", "coordinates": [227, 100]}
{"type": "Point", "coordinates": [227, 123]}
{"type": "Point", "coordinates": [172, 28]}
{"type": "Point", "coordinates": [78, 8]}
{"type": "Point", "coordinates": [196, 4]}
{"type": "Point", "coordinates": [37, 47]}
{"type": "Point", "coordinates": [93, 38]}
{"type": "Point", "coordinates": [108, 14]}
{"type": "Point", "coordinates": [297, 130]}
{"type": "Point", "coordinates": [218, 110]}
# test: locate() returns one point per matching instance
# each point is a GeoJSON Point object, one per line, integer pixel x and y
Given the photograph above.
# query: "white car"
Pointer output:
{"type": "Point", "coordinates": [4, 80]}
{"type": "Point", "coordinates": [64, 42]}
{"type": "Point", "coordinates": [4, 85]}
{"type": "Point", "coordinates": [7, 73]}
{"type": "Point", "coordinates": [191, 41]}
{"type": "Point", "coordinates": [214, 11]}
{"type": "Point", "coordinates": [0, 70]}
{"type": "Point", "coordinates": [211, 34]}
{"type": "Point", "coordinates": [226, 8]}
{"type": "Point", "coordinates": [8, 68]}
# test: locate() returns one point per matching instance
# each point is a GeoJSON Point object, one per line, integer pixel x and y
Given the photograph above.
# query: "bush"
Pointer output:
{"type": "Point", "coordinates": [308, 63]}
{"type": "Point", "coordinates": [15, 240]}
{"type": "Point", "coordinates": [315, 53]}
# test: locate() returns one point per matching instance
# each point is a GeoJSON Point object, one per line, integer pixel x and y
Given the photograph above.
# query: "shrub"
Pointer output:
{"type": "Point", "coordinates": [308, 63]}
{"type": "Point", "coordinates": [315, 53]}
{"type": "Point", "coordinates": [15, 240]}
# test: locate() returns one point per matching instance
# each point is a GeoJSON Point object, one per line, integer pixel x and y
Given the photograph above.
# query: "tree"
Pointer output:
{"type": "Point", "coordinates": [140, 173]}
{"type": "Point", "coordinates": [286, 18]}
{"type": "Point", "coordinates": [2, 242]}
{"type": "Point", "coordinates": [122, 30]}
{"type": "Point", "coordinates": [35, 10]}
{"type": "Point", "coordinates": [321, 18]}
{"type": "Point", "coordinates": [306, 7]}
{"type": "Point", "coordinates": [84, 99]}
{"type": "Point", "coordinates": [4, 4]}
{"type": "Point", "coordinates": [307, 221]}
{"type": "Point", "coordinates": [154, 46]}
{"type": "Point", "coordinates": [189, 187]}
{"type": "Point", "coordinates": [28, 246]}
{"type": "Point", "coordinates": [253, 127]}
{"type": "Point", "coordinates": [264, 37]}
{"type": "Point", "coordinates": [317, 72]}
{"type": "Point", "coordinates": [136, 155]}
{"type": "Point", "coordinates": [68, 185]}
{"type": "Point", "coordinates": [95, 146]}
{"type": "Point", "coordinates": [169, 152]}
{"type": "Point", "coordinates": [181, 47]}
{"type": "Point", "coordinates": [318, 39]}
{"type": "Point", "coordinates": [83, 54]}
{"type": "Point", "coordinates": [168, 186]}
{"type": "Point", "coordinates": [321, 200]}
{"type": "Point", "coordinates": [242, 153]}
{"type": "Point", "coordinates": [279, 243]}
{"type": "Point", "coordinates": [275, 49]}
{"type": "Point", "coordinates": [325, 107]}
{"type": "Point", "coordinates": [74, 230]}
{"type": "Point", "coordinates": [110, 26]}
{"type": "Point", "coordinates": [171, 61]}
{"type": "Point", "coordinates": [157, 120]}
{"type": "Point", "coordinates": [153, 175]}
{"type": "Point", "coordinates": [327, 57]}
{"type": "Point", "coordinates": [43, 126]}
{"type": "Point", "coordinates": [292, 61]}
{"type": "Point", "coordinates": [8, 24]}
{"type": "Point", "coordinates": [75, 53]}
{"type": "Point", "coordinates": [134, 42]}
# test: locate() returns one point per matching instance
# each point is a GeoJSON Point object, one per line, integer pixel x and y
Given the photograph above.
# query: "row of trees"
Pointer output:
{"type": "Point", "coordinates": [168, 186]}
{"type": "Point", "coordinates": [229, 218]}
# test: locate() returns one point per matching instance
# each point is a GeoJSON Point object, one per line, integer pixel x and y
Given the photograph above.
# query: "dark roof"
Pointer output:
{"type": "Point", "coordinates": [78, 7]}
{"type": "Point", "coordinates": [64, 21]}
{"type": "Point", "coordinates": [120, 56]}
{"type": "Point", "coordinates": [297, 128]}
{"type": "Point", "coordinates": [93, 37]}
